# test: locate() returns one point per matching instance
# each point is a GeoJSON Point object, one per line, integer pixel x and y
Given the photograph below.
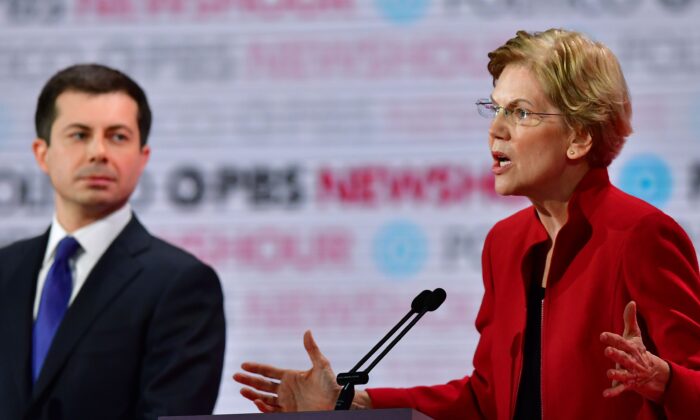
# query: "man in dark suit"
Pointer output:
{"type": "Point", "coordinates": [99, 319]}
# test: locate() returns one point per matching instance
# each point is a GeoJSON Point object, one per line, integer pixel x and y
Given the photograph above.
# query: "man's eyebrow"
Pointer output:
{"type": "Point", "coordinates": [82, 126]}
{"type": "Point", "coordinates": [120, 127]}
{"type": "Point", "coordinates": [76, 125]}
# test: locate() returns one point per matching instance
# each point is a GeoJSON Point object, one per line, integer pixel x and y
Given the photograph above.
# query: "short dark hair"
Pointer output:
{"type": "Point", "coordinates": [91, 79]}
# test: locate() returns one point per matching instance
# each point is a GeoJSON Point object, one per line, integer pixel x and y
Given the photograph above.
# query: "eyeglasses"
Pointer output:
{"type": "Point", "coordinates": [517, 116]}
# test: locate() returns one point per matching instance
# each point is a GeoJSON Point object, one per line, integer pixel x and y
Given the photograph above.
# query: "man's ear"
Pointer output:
{"type": "Point", "coordinates": [145, 154]}
{"type": "Point", "coordinates": [580, 143]}
{"type": "Point", "coordinates": [40, 147]}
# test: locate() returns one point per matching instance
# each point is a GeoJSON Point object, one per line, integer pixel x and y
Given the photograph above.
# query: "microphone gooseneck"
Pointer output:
{"type": "Point", "coordinates": [426, 301]}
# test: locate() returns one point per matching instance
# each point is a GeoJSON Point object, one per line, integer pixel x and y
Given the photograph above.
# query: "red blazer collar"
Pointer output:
{"type": "Point", "coordinates": [578, 228]}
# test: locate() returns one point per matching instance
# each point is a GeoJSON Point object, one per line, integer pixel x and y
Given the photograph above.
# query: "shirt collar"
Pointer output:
{"type": "Point", "coordinates": [94, 238]}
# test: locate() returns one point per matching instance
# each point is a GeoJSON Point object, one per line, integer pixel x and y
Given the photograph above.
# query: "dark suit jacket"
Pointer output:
{"type": "Point", "coordinates": [144, 337]}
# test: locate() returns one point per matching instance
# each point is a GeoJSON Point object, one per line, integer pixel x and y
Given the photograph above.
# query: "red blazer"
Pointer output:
{"type": "Point", "coordinates": [614, 248]}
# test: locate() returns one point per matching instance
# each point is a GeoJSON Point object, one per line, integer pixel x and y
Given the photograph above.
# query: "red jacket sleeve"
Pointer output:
{"type": "Point", "coordinates": [660, 270]}
{"type": "Point", "coordinates": [470, 397]}
{"type": "Point", "coordinates": [682, 397]}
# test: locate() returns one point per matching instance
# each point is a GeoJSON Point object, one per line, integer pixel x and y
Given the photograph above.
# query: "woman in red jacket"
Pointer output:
{"type": "Point", "coordinates": [559, 273]}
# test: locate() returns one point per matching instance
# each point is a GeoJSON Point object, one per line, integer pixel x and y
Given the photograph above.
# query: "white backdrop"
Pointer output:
{"type": "Point", "coordinates": [325, 156]}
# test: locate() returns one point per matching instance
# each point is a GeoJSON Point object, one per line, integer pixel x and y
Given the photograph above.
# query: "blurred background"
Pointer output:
{"type": "Point", "coordinates": [326, 157]}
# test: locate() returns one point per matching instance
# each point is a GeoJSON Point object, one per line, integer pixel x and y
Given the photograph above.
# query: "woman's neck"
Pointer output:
{"type": "Point", "coordinates": [553, 207]}
{"type": "Point", "coordinates": [553, 216]}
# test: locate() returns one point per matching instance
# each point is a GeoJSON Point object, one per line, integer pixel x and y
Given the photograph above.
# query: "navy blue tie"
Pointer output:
{"type": "Point", "coordinates": [54, 302]}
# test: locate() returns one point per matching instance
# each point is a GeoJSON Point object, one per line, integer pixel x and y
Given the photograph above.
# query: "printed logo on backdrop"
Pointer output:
{"type": "Point", "coordinates": [400, 249]}
{"type": "Point", "coordinates": [22, 11]}
{"type": "Point", "coordinates": [647, 177]}
{"type": "Point", "coordinates": [268, 248]}
{"type": "Point", "coordinates": [261, 186]}
{"type": "Point", "coordinates": [528, 8]}
{"type": "Point", "coordinates": [402, 11]}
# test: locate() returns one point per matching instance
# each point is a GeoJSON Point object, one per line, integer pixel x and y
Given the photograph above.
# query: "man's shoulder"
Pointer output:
{"type": "Point", "coordinates": [22, 256]}
{"type": "Point", "coordinates": [19, 247]}
{"type": "Point", "coordinates": [167, 267]}
{"type": "Point", "coordinates": [153, 249]}
{"type": "Point", "coordinates": [165, 259]}
{"type": "Point", "coordinates": [162, 249]}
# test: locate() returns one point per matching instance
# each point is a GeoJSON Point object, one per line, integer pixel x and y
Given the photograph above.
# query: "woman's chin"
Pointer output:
{"type": "Point", "coordinates": [504, 189]}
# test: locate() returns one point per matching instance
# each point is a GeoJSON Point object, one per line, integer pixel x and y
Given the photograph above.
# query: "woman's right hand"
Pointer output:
{"type": "Point", "coordinates": [284, 390]}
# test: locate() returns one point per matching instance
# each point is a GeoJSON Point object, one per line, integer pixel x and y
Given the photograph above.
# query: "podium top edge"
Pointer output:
{"type": "Point", "coordinates": [376, 414]}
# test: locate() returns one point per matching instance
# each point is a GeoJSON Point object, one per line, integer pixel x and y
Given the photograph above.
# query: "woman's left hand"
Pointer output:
{"type": "Point", "coordinates": [636, 368]}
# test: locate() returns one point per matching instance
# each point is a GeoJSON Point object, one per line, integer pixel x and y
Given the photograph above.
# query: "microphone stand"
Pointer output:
{"type": "Point", "coordinates": [424, 302]}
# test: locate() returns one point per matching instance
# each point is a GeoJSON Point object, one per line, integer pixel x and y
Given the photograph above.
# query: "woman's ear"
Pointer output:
{"type": "Point", "coordinates": [580, 143]}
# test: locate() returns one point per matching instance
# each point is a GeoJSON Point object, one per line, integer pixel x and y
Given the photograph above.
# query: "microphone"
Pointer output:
{"type": "Point", "coordinates": [435, 299]}
{"type": "Point", "coordinates": [426, 301]}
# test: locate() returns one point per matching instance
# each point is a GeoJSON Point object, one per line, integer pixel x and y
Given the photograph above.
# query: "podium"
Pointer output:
{"type": "Point", "coordinates": [379, 414]}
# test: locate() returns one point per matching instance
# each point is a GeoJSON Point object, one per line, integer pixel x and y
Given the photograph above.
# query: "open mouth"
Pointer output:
{"type": "Point", "coordinates": [500, 159]}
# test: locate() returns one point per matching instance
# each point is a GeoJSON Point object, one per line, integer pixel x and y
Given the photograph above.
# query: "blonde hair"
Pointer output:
{"type": "Point", "coordinates": [582, 78]}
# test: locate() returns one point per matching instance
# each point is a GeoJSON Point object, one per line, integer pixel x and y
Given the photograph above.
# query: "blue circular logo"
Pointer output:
{"type": "Point", "coordinates": [400, 249]}
{"type": "Point", "coordinates": [402, 11]}
{"type": "Point", "coordinates": [647, 177]}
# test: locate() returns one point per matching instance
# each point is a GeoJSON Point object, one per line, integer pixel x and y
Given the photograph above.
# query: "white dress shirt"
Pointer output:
{"type": "Point", "coordinates": [94, 239]}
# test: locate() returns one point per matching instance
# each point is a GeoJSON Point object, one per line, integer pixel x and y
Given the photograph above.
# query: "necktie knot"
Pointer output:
{"type": "Point", "coordinates": [66, 248]}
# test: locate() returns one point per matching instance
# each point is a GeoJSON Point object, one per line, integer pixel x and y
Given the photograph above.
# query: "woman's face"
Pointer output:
{"type": "Point", "coordinates": [527, 160]}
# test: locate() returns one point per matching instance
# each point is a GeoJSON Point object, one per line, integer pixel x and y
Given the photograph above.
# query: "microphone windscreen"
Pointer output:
{"type": "Point", "coordinates": [420, 302]}
{"type": "Point", "coordinates": [435, 299]}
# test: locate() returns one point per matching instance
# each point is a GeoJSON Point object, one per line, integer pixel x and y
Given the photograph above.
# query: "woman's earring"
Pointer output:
{"type": "Point", "coordinates": [572, 152]}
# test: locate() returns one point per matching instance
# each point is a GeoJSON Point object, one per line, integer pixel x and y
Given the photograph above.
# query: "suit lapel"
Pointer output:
{"type": "Point", "coordinates": [19, 311]}
{"type": "Point", "coordinates": [112, 273]}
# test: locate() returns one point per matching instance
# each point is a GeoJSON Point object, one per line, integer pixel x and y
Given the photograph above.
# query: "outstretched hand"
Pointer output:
{"type": "Point", "coordinates": [636, 368]}
{"type": "Point", "coordinates": [285, 390]}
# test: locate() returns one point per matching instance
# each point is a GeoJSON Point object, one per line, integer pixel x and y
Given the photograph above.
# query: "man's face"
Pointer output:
{"type": "Point", "coordinates": [94, 158]}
